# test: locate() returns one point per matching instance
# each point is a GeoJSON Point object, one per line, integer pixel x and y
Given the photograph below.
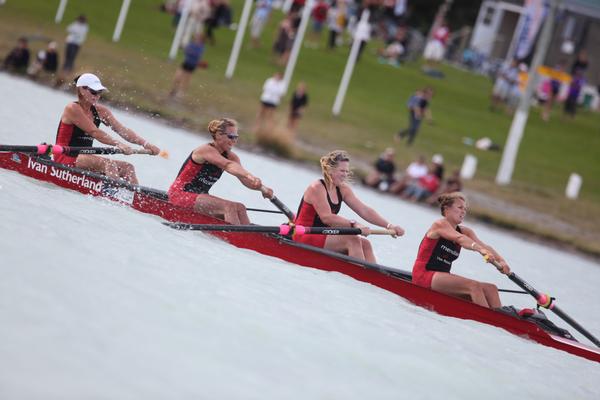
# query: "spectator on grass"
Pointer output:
{"type": "Point", "coordinates": [284, 41]}
{"type": "Point", "coordinates": [573, 95]}
{"type": "Point", "coordinates": [297, 104]}
{"type": "Point", "coordinates": [260, 17]}
{"type": "Point", "coordinates": [221, 15]}
{"type": "Point", "coordinates": [199, 12]}
{"type": "Point", "coordinates": [418, 109]}
{"type": "Point", "coordinates": [382, 175]}
{"type": "Point", "coordinates": [18, 58]}
{"type": "Point", "coordinates": [77, 32]}
{"type": "Point", "coordinates": [319, 17]}
{"type": "Point", "coordinates": [452, 184]}
{"type": "Point", "coordinates": [552, 89]}
{"type": "Point", "coordinates": [436, 47]}
{"type": "Point", "coordinates": [415, 170]}
{"type": "Point", "coordinates": [581, 62]}
{"type": "Point", "coordinates": [506, 81]}
{"type": "Point", "coordinates": [336, 22]}
{"type": "Point", "coordinates": [193, 54]}
{"type": "Point", "coordinates": [422, 188]}
{"type": "Point", "coordinates": [273, 90]}
{"type": "Point", "coordinates": [45, 62]}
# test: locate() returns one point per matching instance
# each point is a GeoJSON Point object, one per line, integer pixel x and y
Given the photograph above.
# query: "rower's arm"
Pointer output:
{"type": "Point", "coordinates": [367, 213]}
{"type": "Point", "coordinates": [230, 165]}
{"type": "Point", "coordinates": [73, 114]}
{"type": "Point", "coordinates": [495, 256]}
{"type": "Point", "coordinates": [109, 119]}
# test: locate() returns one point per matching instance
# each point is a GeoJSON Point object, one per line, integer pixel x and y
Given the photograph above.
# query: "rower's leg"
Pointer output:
{"type": "Point", "coordinates": [126, 171]}
{"type": "Point", "coordinates": [230, 211]}
{"type": "Point", "coordinates": [350, 245]}
{"type": "Point", "coordinates": [97, 164]}
{"type": "Point", "coordinates": [459, 286]}
{"type": "Point", "coordinates": [367, 250]}
{"type": "Point", "coordinates": [491, 294]}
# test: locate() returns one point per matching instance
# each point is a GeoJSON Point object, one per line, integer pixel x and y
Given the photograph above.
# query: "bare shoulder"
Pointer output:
{"type": "Point", "coordinates": [314, 190]}
{"type": "Point", "coordinates": [437, 227]}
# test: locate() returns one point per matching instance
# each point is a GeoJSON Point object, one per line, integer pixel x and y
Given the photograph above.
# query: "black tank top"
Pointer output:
{"type": "Point", "coordinates": [307, 215]}
{"type": "Point", "coordinates": [199, 178]}
{"type": "Point", "coordinates": [74, 136]}
{"type": "Point", "coordinates": [443, 254]}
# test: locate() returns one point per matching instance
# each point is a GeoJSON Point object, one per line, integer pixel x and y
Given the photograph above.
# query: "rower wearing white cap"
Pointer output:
{"type": "Point", "coordinates": [79, 126]}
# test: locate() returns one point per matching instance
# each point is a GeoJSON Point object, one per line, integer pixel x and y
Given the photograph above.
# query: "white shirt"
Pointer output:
{"type": "Point", "coordinates": [416, 170]}
{"type": "Point", "coordinates": [77, 32]}
{"type": "Point", "coordinates": [273, 90]}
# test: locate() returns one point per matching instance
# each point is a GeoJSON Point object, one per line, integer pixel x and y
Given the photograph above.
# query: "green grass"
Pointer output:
{"type": "Point", "coordinates": [138, 73]}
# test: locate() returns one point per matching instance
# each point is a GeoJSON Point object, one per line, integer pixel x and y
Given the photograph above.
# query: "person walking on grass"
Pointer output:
{"type": "Point", "coordinates": [193, 54]}
{"type": "Point", "coordinates": [418, 108]}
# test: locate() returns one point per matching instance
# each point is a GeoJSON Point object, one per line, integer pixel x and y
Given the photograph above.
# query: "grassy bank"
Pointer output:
{"type": "Point", "coordinates": [139, 75]}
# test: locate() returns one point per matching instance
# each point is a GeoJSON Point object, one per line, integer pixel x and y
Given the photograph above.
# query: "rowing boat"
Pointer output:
{"type": "Point", "coordinates": [155, 202]}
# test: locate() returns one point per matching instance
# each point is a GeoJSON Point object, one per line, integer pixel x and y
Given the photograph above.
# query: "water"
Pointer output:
{"type": "Point", "coordinates": [100, 301]}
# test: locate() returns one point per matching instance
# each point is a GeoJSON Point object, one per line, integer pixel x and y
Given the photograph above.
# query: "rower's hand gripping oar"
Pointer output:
{"type": "Point", "coordinates": [280, 206]}
{"type": "Point", "coordinates": [547, 301]}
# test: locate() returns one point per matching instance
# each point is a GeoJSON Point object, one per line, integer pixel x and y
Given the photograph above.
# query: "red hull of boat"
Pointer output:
{"type": "Point", "coordinates": [142, 200]}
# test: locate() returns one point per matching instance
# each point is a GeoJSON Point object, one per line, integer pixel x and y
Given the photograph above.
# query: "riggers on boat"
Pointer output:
{"type": "Point", "coordinates": [155, 202]}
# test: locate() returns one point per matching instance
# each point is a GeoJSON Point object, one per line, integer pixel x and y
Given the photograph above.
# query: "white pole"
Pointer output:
{"type": "Point", "coordinates": [287, 6]}
{"type": "Point", "coordinates": [289, 69]}
{"type": "Point", "coordinates": [361, 33]}
{"type": "Point", "coordinates": [239, 39]}
{"type": "Point", "coordinates": [121, 20]}
{"type": "Point", "coordinates": [180, 27]}
{"type": "Point", "coordinates": [509, 156]}
{"type": "Point", "coordinates": [61, 11]}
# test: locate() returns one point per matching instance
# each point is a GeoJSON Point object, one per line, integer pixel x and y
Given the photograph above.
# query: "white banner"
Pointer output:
{"type": "Point", "coordinates": [535, 11]}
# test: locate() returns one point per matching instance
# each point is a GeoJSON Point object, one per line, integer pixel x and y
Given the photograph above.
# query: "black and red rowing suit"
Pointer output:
{"type": "Point", "coordinates": [194, 179]}
{"type": "Point", "coordinates": [307, 216]}
{"type": "Point", "coordinates": [72, 135]}
{"type": "Point", "coordinates": [435, 255]}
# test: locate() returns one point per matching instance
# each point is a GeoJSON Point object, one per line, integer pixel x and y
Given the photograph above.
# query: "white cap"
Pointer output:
{"type": "Point", "coordinates": [437, 159]}
{"type": "Point", "coordinates": [91, 81]}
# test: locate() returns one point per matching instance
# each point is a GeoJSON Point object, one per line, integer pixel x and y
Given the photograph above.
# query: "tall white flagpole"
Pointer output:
{"type": "Point", "coordinates": [180, 27]}
{"type": "Point", "coordinates": [121, 20]}
{"type": "Point", "coordinates": [361, 33]}
{"type": "Point", "coordinates": [289, 69]}
{"type": "Point", "coordinates": [60, 11]}
{"type": "Point", "coordinates": [239, 39]}
{"type": "Point", "coordinates": [517, 128]}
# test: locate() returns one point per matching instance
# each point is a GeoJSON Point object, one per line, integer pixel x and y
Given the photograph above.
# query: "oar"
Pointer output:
{"type": "Point", "coordinates": [547, 301]}
{"type": "Point", "coordinates": [264, 211]}
{"type": "Point", "coordinates": [72, 151]}
{"type": "Point", "coordinates": [280, 206]}
{"type": "Point", "coordinates": [281, 229]}
{"type": "Point", "coordinates": [39, 149]}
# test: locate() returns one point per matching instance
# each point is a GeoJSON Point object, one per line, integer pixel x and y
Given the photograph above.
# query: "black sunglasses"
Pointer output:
{"type": "Point", "coordinates": [94, 92]}
{"type": "Point", "coordinates": [231, 136]}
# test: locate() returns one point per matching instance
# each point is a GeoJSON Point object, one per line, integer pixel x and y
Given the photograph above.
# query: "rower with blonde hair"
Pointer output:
{"type": "Point", "coordinates": [322, 201]}
{"type": "Point", "coordinates": [441, 246]}
{"type": "Point", "coordinates": [203, 168]}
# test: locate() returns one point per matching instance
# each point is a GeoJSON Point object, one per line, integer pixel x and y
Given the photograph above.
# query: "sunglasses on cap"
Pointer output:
{"type": "Point", "coordinates": [94, 92]}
